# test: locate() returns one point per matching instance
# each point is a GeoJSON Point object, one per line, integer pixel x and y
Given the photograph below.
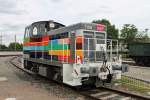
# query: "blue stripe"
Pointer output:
{"type": "Point", "coordinates": [37, 48]}
{"type": "Point", "coordinates": [54, 42]}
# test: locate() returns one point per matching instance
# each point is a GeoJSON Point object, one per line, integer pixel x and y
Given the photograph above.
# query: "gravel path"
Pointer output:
{"type": "Point", "coordinates": [18, 85]}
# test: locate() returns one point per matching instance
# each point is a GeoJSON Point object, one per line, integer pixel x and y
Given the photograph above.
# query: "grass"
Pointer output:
{"type": "Point", "coordinates": [133, 85]}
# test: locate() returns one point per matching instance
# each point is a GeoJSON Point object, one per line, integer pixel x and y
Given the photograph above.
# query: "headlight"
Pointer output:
{"type": "Point", "coordinates": [51, 25]}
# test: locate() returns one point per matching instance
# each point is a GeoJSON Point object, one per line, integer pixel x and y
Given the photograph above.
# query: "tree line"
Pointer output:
{"type": "Point", "coordinates": [13, 46]}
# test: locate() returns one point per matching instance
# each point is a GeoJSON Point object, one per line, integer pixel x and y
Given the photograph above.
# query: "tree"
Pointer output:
{"type": "Point", "coordinates": [128, 33]}
{"type": "Point", "coordinates": [3, 47]}
{"type": "Point", "coordinates": [145, 38]}
{"type": "Point", "coordinates": [112, 32]}
{"type": "Point", "coordinates": [142, 37]}
{"type": "Point", "coordinates": [17, 46]}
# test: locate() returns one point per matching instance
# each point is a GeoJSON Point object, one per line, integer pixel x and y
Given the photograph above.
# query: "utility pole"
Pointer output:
{"type": "Point", "coordinates": [0, 41]}
{"type": "Point", "coordinates": [15, 42]}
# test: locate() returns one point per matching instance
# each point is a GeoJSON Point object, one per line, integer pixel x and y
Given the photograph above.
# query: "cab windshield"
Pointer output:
{"type": "Point", "coordinates": [94, 46]}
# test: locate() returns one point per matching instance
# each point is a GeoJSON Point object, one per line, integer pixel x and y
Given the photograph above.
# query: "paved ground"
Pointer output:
{"type": "Point", "coordinates": [2, 53]}
{"type": "Point", "coordinates": [139, 72]}
{"type": "Point", "coordinates": [18, 85]}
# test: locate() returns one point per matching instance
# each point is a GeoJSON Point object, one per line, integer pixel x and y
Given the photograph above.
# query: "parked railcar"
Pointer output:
{"type": "Point", "coordinates": [140, 52]}
{"type": "Point", "coordinates": [75, 55]}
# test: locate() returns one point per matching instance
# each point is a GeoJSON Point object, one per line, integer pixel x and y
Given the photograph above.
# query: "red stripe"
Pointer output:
{"type": "Point", "coordinates": [36, 43]}
{"type": "Point", "coordinates": [66, 59]}
{"type": "Point", "coordinates": [79, 39]}
{"type": "Point", "coordinates": [45, 38]}
{"type": "Point", "coordinates": [61, 58]}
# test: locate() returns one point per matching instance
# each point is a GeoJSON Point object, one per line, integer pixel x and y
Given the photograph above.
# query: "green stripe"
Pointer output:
{"type": "Point", "coordinates": [60, 47]}
{"type": "Point", "coordinates": [46, 48]}
{"type": "Point", "coordinates": [56, 47]}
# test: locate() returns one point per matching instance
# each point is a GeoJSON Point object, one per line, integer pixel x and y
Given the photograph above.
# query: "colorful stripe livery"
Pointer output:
{"type": "Point", "coordinates": [56, 50]}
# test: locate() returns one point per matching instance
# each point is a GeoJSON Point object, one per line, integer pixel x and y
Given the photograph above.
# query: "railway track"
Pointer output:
{"type": "Point", "coordinates": [102, 93]}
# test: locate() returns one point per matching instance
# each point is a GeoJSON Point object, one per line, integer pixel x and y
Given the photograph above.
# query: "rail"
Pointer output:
{"type": "Point", "coordinates": [103, 93]}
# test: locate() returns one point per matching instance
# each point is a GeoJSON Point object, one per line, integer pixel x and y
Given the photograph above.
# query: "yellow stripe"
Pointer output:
{"type": "Point", "coordinates": [65, 52]}
{"type": "Point", "coordinates": [79, 53]}
{"type": "Point", "coordinates": [59, 52]}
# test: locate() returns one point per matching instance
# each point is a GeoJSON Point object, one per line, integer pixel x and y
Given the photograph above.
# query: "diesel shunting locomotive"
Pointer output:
{"type": "Point", "coordinates": [75, 55]}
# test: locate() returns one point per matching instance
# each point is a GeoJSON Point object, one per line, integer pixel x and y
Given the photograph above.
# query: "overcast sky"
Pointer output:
{"type": "Point", "coordinates": [16, 14]}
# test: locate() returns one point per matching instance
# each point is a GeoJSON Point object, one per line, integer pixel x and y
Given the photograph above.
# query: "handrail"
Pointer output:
{"type": "Point", "coordinates": [90, 53]}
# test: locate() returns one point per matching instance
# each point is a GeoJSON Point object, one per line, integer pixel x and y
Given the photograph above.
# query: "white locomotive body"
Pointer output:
{"type": "Point", "coordinates": [76, 55]}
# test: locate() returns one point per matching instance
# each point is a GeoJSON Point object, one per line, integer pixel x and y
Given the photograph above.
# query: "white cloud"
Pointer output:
{"type": "Point", "coordinates": [16, 14]}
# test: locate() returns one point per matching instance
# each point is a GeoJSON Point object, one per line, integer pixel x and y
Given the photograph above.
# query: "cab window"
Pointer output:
{"type": "Point", "coordinates": [35, 31]}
